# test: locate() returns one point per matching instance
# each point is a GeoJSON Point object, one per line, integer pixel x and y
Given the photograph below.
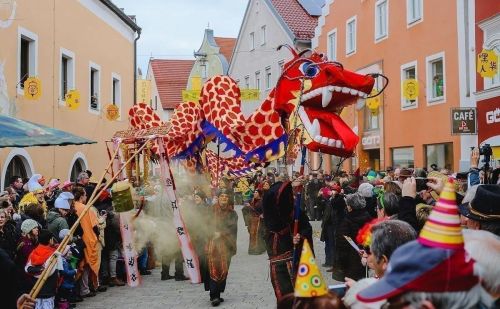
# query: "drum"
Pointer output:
{"type": "Point", "coordinates": [122, 196]}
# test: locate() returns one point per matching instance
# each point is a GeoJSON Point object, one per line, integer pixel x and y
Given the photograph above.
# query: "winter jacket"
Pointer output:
{"type": "Point", "coordinates": [56, 222]}
{"type": "Point", "coordinates": [347, 260]}
{"type": "Point", "coordinates": [112, 232]}
{"type": "Point", "coordinates": [8, 281]}
{"type": "Point", "coordinates": [68, 275]}
{"type": "Point", "coordinates": [23, 251]}
{"type": "Point", "coordinates": [9, 237]}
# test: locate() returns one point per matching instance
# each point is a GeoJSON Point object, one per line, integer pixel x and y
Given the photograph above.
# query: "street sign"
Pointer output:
{"type": "Point", "coordinates": [463, 121]}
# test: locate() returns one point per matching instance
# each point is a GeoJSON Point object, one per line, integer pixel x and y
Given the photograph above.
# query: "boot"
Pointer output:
{"type": "Point", "coordinates": [116, 282]}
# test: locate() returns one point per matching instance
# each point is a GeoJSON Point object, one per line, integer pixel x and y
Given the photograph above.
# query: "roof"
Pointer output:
{"type": "Point", "coordinates": [124, 17]}
{"type": "Point", "coordinates": [171, 77]}
{"type": "Point", "coordinates": [300, 22]}
{"type": "Point", "coordinates": [226, 46]}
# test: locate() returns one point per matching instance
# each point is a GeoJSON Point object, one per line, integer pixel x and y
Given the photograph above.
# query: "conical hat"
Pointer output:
{"type": "Point", "coordinates": [309, 282]}
{"type": "Point", "coordinates": [442, 229]}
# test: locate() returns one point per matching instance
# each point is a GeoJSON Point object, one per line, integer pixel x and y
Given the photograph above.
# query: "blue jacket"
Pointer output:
{"type": "Point", "coordinates": [68, 275]}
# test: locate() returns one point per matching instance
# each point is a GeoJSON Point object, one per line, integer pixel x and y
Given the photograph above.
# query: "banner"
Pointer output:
{"type": "Point", "coordinates": [487, 63]}
{"type": "Point", "coordinates": [129, 252]}
{"type": "Point", "coordinates": [250, 94]}
{"type": "Point", "coordinates": [188, 253]}
{"type": "Point", "coordinates": [32, 88]}
{"type": "Point", "coordinates": [190, 95]}
{"type": "Point", "coordinates": [143, 91]}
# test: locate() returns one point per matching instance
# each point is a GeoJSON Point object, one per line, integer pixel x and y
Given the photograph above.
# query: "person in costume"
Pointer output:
{"type": "Point", "coordinates": [35, 196]}
{"type": "Point", "coordinates": [252, 214]}
{"type": "Point", "coordinates": [278, 209]}
{"type": "Point", "coordinates": [221, 245]}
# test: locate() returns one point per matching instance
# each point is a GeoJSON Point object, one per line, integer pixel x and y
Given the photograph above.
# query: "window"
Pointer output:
{"type": "Point", "coordinates": [268, 78]}
{"type": "Point", "coordinates": [263, 35]}
{"type": "Point", "coordinates": [332, 45]}
{"type": "Point", "coordinates": [403, 157]}
{"type": "Point", "coordinates": [204, 72]}
{"type": "Point", "coordinates": [408, 71]}
{"type": "Point", "coordinates": [281, 65]}
{"type": "Point", "coordinates": [77, 168]}
{"type": "Point", "coordinates": [27, 56]}
{"type": "Point", "coordinates": [94, 91]}
{"type": "Point", "coordinates": [371, 120]}
{"type": "Point", "coordinates": [67, 77]}
{"type": "Point", "coordinates": [413, 11]}
{"type": "Point", "coordinates": [350, 45]}
{"type": "Point", "coordinates": [436, 83]}
{"type": "Point", "coordinates": [381, 20]}
{"type": "Point", "coordinates": [439, 154]}
{"type": "Point", "coordinates": [116, 89]}
{"type": "Point", "coordinates": [257, 80]}
{"type": "Point", "coordinates": [247, 82]}
{"type": "Point", "coordinates": [252, 41]}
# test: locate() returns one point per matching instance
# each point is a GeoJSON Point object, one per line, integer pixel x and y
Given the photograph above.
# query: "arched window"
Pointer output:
{"type": "Point", "coordinates": [77, 168]}
{"type": "Point", "coordinates": [16, 167]}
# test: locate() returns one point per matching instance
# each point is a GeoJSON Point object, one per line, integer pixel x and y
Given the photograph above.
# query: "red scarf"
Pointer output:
{"type": "Point", "coordinates": [40, 255]}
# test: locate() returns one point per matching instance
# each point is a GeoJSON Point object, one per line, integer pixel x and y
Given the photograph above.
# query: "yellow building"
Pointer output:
{"type": "Point", "coordinates": [88, 46]}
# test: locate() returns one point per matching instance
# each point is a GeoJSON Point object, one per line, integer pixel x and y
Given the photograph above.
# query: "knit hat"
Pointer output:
{"type": "Point", "coordinates": [62, 234]}
{"type": "Point", "coordinates": [309, 282]}
{"type": "Point", "coordinates": [28, 225]}
{"type": "Point", "coordinates": [33, 184]}
{"type": "Point", "coordinates": [366, 189]}
{"type": "Point", "coordinates": [435, 262]}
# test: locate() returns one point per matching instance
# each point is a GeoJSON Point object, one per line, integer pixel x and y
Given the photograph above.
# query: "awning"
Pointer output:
{"type": "Point", "coordinates": [19, 133]}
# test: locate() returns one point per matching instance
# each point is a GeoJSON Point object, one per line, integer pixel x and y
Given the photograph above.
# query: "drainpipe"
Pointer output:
{"type": "Point", "coordinates": [135, 65]}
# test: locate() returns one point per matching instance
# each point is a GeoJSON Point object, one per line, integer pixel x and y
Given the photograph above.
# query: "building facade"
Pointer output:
{"type": "Point", "coordinates": [85, 45]}
{"type": "Point", "coordinates": [407, 41]}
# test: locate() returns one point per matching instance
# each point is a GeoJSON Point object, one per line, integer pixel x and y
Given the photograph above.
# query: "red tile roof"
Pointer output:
{"type": "Point", "coordinates": [171, 77]}
{"type": "Point", "coordinates": [226, 47]}
{"type": "Point", "coordinates": [296, 17]}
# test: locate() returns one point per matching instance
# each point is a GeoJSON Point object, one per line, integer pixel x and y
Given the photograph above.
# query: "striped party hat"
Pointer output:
{"type": "Point", "coordinates": [442, 229]}
{"type": "Point", "coordinates": [309, 282]}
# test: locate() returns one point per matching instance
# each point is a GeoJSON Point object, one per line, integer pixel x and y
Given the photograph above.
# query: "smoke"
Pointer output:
{"type": "Point", "coordinates": [155, 224]}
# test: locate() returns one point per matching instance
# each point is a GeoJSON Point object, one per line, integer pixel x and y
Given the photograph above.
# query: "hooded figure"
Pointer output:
{"type": "Point", "coordinates": [35, 195]}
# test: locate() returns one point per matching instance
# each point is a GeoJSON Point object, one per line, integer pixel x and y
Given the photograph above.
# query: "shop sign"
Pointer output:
{"type": "Point", "coordinates": [371, 140]}
{"type": "Point", "coordinates": [487, 63]}
{"type": "Point", "coordinates": [32, 88]}
{"type": "Point", "coordinates": [488, 120]}
{"type": "Point", "coordinates": [410, 89]}
{"type": "Point", "coordinates": [72, 99]}
{"type": "Point", "coordinates": [463, 121]}
{"type": "Point", "coordinates": [143, 91]}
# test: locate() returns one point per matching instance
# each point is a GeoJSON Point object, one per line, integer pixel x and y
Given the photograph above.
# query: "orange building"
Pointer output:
{"type": "Point", "coordinates": [404, 40]}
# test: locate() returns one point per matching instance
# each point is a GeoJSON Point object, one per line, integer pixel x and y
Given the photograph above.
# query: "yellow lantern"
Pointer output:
{"type": "Point", "coordinates": [32, 88]}
{"type": "Point", "coordinates": [72, 99]}
{"type": "Point", "coordinates": [112, 112]}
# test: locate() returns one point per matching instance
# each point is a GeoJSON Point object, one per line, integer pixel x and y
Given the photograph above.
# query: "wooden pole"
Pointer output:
{"type": "Point", "coordinates": [52, 260]}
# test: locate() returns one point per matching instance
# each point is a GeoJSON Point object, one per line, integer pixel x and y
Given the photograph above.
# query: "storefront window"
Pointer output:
{"type": "Point", "coordinates": [403, 157]}
{"type": "Point", "coordinates": [371, 120]}
{"type": "Point", "coordinates": [439, 154]}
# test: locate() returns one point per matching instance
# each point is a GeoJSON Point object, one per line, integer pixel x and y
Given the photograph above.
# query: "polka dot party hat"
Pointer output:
{"type": "Point", "coordinates": [309, 281]}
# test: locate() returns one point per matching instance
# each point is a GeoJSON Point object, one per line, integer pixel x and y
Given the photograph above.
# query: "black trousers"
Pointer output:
{"type": "Point", "coordinates": [167, 260]}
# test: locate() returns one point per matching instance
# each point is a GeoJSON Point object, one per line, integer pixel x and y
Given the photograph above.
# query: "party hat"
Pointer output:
{"type": "Point", "coordinates": [442, 229]}
{"type": "Point", "coordinates": [309, 282]}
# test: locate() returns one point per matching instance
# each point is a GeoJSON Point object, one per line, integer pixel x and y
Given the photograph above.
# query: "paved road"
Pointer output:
{"type": "Point", "coordinates": [248, 284]}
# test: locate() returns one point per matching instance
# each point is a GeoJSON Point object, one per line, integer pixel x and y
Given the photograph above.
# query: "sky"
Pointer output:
{"type": "Point", "coordinates": [174, 29]}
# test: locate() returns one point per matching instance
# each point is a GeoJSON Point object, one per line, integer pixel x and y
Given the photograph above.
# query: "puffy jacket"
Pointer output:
{"type": "Point", "coordinates": [56, 222]}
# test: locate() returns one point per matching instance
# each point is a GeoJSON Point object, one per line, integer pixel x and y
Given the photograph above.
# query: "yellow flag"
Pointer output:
{"type": "Point", "coordinates": [143, 91]}
{"type": "Point", "coordinates": [410, 89]}
{"type": "Point", "coordinates": [32, 88]}
{"type": "Point", "coordinates": [487, 63]}
{"type": "Point", "coordinates": [72, 99]}
{"type": "Point", "coordinates": [190, 95]}
{"type": "Point", "coordinates": [112, 112]}
{"type": "Point", "coordinates": [250, 94]}
{"type": "Point", "coordinates": [196, 83]}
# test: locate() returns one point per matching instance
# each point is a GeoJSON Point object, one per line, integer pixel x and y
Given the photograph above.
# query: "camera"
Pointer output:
{"type": "Point", "coordinates": [487, 152]}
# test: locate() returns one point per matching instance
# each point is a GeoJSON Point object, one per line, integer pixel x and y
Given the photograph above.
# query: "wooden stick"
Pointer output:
{"type": "Point", "coordinates": [52, 260]}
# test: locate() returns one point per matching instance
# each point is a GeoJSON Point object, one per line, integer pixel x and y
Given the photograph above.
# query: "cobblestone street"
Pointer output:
{"type": "Point", "coordinates": [248, 284]}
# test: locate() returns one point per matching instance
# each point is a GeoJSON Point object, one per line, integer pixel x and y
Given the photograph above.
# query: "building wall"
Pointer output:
{"type": "Point", "coordinates": [248, 61]}
{"type": "Point", "coordinates": [94, 34]}
{"type": "Point", "coordinates": [436, 33]}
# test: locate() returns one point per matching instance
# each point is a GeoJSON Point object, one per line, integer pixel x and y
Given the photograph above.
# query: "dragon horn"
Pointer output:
{"type": "Point", "coordinates": [294, 52]}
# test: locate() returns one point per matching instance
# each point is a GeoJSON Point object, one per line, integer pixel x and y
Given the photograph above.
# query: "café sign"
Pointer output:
{"type": "Point", "coordinates": [371, 140]}
{"type": "Point", "coordinates": [463, 121]}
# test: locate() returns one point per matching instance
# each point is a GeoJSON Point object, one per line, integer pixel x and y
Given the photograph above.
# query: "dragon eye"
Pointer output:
{"type": "Point", "coordinates": [309, 69]}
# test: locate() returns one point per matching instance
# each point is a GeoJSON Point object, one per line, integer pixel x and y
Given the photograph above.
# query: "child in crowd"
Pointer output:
{"type": "Point", "coordinates": [66, 293]}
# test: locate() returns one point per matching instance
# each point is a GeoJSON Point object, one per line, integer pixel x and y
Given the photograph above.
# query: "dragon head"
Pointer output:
{"type": "Point", "coordinates": [312, 92]}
